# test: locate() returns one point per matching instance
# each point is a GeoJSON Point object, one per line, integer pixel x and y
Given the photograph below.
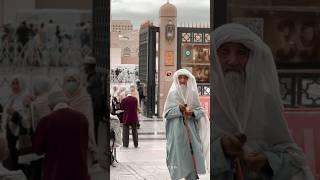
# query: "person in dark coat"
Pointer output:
{"type": "Point", "coordinates": [62, 136]}
{"type": "Point", "coordinates": [141, 94]}
{"type": "Point", "coordinates": [95, 89]}
{"type": "Point", "coordinates": [130, 118]}
{"type": "Point", "coordinates": [23, 33]}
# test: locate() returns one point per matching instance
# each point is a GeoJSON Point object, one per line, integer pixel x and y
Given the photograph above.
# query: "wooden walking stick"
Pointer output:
{"type": "Point", "coordinates": [238, 171]}
{"type": "Point", "coordinates": [190, 142]}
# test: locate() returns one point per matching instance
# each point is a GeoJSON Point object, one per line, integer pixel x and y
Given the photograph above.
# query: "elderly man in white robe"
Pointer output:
{"type": "Point", "coordinates": [251, 139]}
{"type": "Point", "coordinates": [187, 127]}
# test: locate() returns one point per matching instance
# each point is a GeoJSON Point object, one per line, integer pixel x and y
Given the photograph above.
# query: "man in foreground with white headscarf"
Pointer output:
{"type": "Point", "coordinates": [251, 139]}
{"type": "Point", "coordinates": [187, 129]}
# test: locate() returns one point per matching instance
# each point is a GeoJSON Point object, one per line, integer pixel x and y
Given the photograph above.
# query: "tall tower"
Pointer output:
{"type": "Point", "coordinates": [167, 50]}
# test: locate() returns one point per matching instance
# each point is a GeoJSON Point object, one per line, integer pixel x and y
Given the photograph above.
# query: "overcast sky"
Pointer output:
{"type": "Point", "coordinates": [189, 11]}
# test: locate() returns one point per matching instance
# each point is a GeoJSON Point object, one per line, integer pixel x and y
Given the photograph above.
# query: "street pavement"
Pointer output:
{"type": "Point", "coordinates": [148, 161]}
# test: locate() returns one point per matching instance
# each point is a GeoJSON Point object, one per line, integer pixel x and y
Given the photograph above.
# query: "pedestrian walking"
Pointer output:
{"type": "Point", "coordinates": [130, 119]}
{"type": "Point", "coordinates": [187, 129]}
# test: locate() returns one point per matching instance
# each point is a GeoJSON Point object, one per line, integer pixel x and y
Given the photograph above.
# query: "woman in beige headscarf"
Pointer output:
{"type": "Point", "coordinates": [15, 118]}
{"type": "Point", "coordinates": [122, 93]}
{"type": "Point", "coordinates": [79, 100]}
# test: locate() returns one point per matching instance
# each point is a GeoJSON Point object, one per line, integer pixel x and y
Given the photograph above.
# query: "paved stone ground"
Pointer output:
{"type": "Point", "coordinates": [147, 162]}
{"type": "Point", "coordinates": [151, 129]}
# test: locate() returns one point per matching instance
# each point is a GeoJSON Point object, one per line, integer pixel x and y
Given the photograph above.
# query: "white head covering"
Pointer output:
{"type": "Point", "coordinates": [188, 98]}
{"type": "Point", "coordinates": [191, 86]}
{"type": "Point", "coordinates": [134, 92]}
{"type": "Point", "coordinates": [41, 85]}
{"type": "Point", "coordinates": [39, 107]}
{"type": "Point", "coordinates": [114, 92]}
{"type": "Point", "coordinates": [262, 120]}
{"type": "Point", "coordinates": [15, 102]}
{"type": "Point", "coordinates": [75, 74]}
{"type": "Point", "coordinates": [72, 72]}
{"type": "Point", "coordinates": [261, 81]}
{"type": "Point", "coordinates": [22, 83]}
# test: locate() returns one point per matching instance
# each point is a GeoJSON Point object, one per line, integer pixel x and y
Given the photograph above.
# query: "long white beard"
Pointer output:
{"type": "Point", "coordinates": [184, 90]}
{"type": "Point", "coordinates": [235, 84]}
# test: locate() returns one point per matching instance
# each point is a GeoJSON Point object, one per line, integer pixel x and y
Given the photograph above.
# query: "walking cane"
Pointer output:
{"type": "Point", "coordinates": [238, 171]}
{"type": "Point", "coordinates": [190, 142]}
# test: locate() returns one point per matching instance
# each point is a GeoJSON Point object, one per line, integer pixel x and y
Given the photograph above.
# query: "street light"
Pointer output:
{"type": "Point", "coordinates": [170, 31]}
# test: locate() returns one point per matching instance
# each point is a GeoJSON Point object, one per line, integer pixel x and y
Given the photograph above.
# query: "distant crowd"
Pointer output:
{"type": "Point", "coordinates": [44, 44]}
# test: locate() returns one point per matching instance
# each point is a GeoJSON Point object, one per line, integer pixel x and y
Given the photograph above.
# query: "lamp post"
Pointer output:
{"type": "Point", "coordinates": [170, 31]}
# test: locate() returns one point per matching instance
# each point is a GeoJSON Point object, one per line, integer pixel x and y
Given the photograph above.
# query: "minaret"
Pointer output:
{"type": "Point", "coordinates": [167, 50]}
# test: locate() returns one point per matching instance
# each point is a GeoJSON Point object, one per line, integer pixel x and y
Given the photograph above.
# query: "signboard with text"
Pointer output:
{"type": "Point", "coordinates": [169, 58]}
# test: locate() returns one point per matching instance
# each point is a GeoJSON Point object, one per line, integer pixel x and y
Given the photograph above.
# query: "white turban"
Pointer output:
{"type": "Point", "coordinates": [41, 85]}
{"type": "Point", "coordinates": [191, 86]}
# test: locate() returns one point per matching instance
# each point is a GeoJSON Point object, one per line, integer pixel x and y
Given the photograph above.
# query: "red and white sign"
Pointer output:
{"type": "Point", "coordinates": [205, 103]}
{"type": "Point", "coordinates": [168, 76]}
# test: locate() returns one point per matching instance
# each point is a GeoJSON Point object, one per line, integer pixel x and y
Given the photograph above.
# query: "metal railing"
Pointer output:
{"type": "Point", "coordinates": [204, 89]}
{"type": "Point", "coordinates": [55, 53]}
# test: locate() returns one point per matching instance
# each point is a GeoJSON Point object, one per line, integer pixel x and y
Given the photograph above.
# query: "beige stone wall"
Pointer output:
{"type": "Point", "coordinates": [115, 56]}
{"type": "Point", "coordinates": [121, 26]}
{"type": "Point", "coordinates": [130, 60]}
{"type": "Point", "coordinates": [126, 40]}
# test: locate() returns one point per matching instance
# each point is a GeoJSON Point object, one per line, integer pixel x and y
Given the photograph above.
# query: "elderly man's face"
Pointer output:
{"type": "Point", "coordinates": [183, 79]}
{"type": "Point", "coordinates": [233, 57]}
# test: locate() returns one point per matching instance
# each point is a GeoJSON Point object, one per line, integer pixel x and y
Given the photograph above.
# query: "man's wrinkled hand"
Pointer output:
{"type": "Point", "coordinates": [255, 161]}
{"type": "Point", "coordinates": [232, 147]}
{"type": "Point", "coordinates": [182, 108]}
{"type": "Point", "coordinates": [189, 112]}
